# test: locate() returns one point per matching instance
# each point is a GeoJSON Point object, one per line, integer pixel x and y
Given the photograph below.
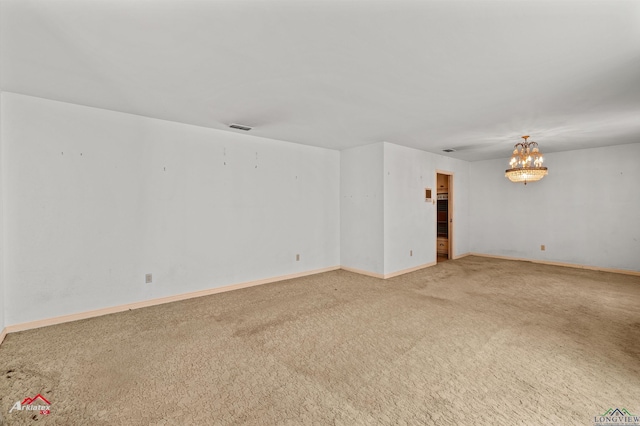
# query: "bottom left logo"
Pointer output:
{"type": "Point", "coordinates": [32, 404]}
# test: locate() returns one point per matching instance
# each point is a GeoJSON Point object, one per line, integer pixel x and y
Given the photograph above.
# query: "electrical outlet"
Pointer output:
{"type": "Point", "coordinates": [543, 247]}
{"type": "Point", "coordinates": [148, 278]}
{"type": "Point", "coordinates": [297, 257]}
{"type": "Point", "coordinates": [410, 252]}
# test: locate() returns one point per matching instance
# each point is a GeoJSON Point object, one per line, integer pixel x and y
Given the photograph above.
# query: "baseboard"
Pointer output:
{"type": "Point", "coordinates": [152, 302]}
{"type": "Point", "coordinates": [569, 265]}
{"type": "Point", "coordinates": [386, 276]}
{"type": "Point", "coordinates": [3, 334]}
{"type": "Point", "coordinates": [362, 272]}
{"type": "Point", "coordinates": [406, 271]}
{"type": "Point", "coordinates": [460, 256]}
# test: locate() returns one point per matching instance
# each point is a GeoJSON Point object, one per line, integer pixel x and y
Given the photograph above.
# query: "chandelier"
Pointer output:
{"type": "Point", "coordinates": [526, 163]}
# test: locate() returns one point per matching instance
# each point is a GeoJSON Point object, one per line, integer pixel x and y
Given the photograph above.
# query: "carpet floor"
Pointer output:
{"type": "Point", "coordinates": [474, 341]}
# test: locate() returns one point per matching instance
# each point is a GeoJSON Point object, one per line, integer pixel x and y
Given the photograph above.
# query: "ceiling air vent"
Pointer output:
{"type": "Point", "coordinates": [449, 150]}
{"type": "Point", "coordinates": [240, 127]}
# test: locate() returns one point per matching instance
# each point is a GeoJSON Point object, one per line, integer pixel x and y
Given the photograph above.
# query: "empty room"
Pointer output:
{"type": "Point", "coordinates": [271, 212]}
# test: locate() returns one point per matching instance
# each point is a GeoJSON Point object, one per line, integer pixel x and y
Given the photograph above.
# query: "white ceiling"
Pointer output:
{"type": "Point", "coordinates": [472, 75]}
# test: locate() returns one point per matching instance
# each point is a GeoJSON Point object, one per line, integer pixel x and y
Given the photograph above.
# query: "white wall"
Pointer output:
{"type": "Point", "coordinates": [2, 296]}
{"type": "Point", "coordinates": [409, 221]}
{"type": "Point", "coordinates": [2, 193]}
{"type": "Point", "coordinates": [586, 211]}
{"type": "Point", "coordinates": [2, 252]}
{"type": "Point", "coordinates": [361, 208]}
{"type": "Point", "coordinates": [95, 199]}
{"type": "Point", "coordinates": [383, 212]}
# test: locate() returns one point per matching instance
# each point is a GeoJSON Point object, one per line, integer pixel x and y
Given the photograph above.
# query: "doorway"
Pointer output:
{"type": "Point", "coordinates": [444, 215]}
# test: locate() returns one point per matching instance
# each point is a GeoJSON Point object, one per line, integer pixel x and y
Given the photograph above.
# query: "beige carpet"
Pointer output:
{"type": "Point", "coordinates": [467, 342]}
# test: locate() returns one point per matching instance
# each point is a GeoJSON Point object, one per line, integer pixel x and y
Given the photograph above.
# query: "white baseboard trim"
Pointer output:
{"type": "Point", "coordinates": [390, 275]}
{"type": "Point", "coordinates": [460, 256]}
{"type": "Point", "coordinates": [152, 302]}
{"type": "Point", "coordinates": [3, 334]}
{"type": "Point", "coordinates": [569, 265]}
{"type": "Point", "coordinates": [406, 271]}
{"type": "Point", "coordinates": [362, 272]}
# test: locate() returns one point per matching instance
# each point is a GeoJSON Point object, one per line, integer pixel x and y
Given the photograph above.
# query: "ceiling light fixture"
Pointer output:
{"type": "Point", "coordinates": [526, 163]}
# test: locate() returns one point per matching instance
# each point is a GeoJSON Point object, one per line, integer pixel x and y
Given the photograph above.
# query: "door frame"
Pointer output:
{"type": "Point", "coordinates": [450, 210]}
